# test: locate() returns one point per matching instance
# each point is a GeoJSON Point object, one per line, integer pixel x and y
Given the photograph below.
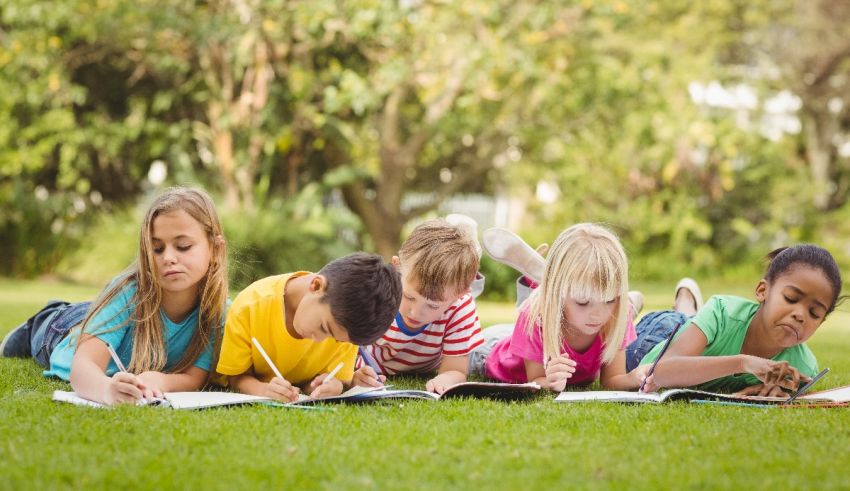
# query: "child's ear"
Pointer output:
{"type": "Point", "coordinates": [396, 262]}
{"type": "Point", "coordinates": [318, 284]}
{"type": "Point", "coordinates": [761, 290]}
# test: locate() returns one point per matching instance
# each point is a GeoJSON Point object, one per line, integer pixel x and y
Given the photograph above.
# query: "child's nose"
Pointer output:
{"type": "Point", "coordinates": [413, 310]}
{"type": "Point", "coordinates": [599, 313]}
{"type": "Point", "coordinates": [169, 256]}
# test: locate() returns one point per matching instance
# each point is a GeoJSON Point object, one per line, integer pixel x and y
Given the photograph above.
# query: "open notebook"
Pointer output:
{"type": "Point", "coordinates": [200, 400]}
{"type": "Point", "coordinates": [833, 397]}
{"type": "Point", "coordinates": [476, 390]}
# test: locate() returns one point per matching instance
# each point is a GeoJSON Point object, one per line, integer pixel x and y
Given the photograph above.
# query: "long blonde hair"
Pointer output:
{"type": "Point", "coordinates": [586, 261]}
{"type": "Point", "coordinates": [149, 353]}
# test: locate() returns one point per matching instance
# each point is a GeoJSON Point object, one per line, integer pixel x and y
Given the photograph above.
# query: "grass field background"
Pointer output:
{"type": "Point", "coordinates": [465, 444]}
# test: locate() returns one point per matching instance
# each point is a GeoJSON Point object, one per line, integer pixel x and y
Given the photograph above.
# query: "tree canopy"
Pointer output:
{"type": "Point", "coordinates": [705, 133]}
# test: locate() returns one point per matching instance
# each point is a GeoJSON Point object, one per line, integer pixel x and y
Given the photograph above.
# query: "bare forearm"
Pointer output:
{"type": "Point", "coordinates": [685, 371]}
{"type": "Point", "coordinates": [179, 382]}
{"type": "Point", "coordinates": [88, 380]}
{"type": "Point", "coordinates": [248, 384]}
{"type": "Point", "coordinates": [624, 381]}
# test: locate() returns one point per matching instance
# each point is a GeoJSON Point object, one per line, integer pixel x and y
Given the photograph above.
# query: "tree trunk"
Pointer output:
{"type": "Point", "coordinates": [820, 155]}
{"type": "Point", "coordinates": [222, 140]}
{"type": "Point", "coordinates": [387, 238]}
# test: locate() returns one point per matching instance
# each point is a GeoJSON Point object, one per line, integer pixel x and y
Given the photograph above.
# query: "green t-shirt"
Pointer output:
{"type": "Point", "coordinates": [724, 320]}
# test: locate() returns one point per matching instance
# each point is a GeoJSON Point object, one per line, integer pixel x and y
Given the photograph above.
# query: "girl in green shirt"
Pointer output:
{"type": "Point", "coordinates": [758, 348]}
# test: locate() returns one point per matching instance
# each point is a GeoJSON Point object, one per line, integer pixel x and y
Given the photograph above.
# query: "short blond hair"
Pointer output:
{"type": "Point", "coordinates": [585, 262]}
{"type": "Point", "coordinates": [438, 256]}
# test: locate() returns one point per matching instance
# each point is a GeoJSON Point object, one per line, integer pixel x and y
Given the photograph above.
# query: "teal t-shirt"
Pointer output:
{"type": "Point", "coordinates": [116, 313]}
{"type": "Point", "coordinates": [724, 320]}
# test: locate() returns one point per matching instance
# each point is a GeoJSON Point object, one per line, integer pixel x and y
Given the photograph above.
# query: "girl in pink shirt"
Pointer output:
{"type": "Point", "coordinates": [575, 326]}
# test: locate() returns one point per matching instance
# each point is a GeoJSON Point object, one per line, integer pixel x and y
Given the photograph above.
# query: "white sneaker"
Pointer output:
{"type": "Point", "coordinates": [468, 225]}
{"type": "Point", "coordinates": [508, 248]}
{"type": "Point", "coordinates": [691, 286]}
{"type": "Point", "coordinates": [636, 299]}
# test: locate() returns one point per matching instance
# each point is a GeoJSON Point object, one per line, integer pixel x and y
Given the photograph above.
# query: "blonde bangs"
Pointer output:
{"type": "Point", "coordinates": [597, 281]}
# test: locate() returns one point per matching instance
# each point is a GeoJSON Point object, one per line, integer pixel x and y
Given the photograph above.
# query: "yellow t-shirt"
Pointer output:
{"type": "Point", "coordinates": [258, 311]}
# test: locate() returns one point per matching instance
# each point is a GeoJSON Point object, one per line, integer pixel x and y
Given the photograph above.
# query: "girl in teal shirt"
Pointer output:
{"type": "Point", "coordinates": [162, 316]}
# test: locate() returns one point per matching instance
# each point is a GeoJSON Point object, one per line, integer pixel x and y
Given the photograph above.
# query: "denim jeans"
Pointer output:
{"type": "Point", "coordinates": [524, 287]}
{"type": "Point", "coordinates": [492, 335]}
{"type": "Point", "coordinates": [653, 328]}
{"type": "Point", "coordinates": [51, 324]}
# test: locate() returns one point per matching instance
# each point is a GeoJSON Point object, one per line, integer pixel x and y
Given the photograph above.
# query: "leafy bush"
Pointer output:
{"type": "Point", "coordinates": [108, 246]}
{"type": "Point", "coordinates": [39, 227]}
{"type": "Point", "coordinates": [302, 233]}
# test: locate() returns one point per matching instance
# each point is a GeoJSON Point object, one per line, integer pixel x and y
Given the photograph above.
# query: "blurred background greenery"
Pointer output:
{"type": "Point", "coordinates": [705, 133]}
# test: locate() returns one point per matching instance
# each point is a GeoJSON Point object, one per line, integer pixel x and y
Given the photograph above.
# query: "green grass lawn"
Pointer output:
{"type": "Point", "coordinates": [416, 445]}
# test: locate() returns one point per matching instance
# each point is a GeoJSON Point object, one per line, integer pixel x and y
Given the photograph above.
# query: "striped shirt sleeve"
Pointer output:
{"type": "Point", "coordinates": [463, 329]}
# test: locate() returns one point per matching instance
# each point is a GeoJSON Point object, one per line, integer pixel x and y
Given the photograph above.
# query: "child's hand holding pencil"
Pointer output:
{"type": "Point", "coordinates": [644, 379]}
{"type": "Point", "coordinates": [369, 375]}
{"type": "Point", "coordinates": [123, 387]}
{"type": "Point", "coordinates": [281, 390]}
{"type": "Point", "coordinates": [365, 376]}
{"type": "Point", "coordinates": [327, 385]}
{"type": "Point", "coordinates": [278, 388]}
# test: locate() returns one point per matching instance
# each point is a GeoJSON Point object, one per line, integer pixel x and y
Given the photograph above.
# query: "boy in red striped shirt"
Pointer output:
{"type": "Point", "coordinates": [437, 324]}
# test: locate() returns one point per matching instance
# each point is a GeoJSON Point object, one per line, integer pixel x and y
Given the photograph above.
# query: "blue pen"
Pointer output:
{"type": "Point", "coordinates": [369, 360]}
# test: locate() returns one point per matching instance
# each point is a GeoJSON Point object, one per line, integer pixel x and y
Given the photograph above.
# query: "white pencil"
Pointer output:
{"type": "Point", "coordinates": [333, 372]}
{"type": "Point", "coordinates": [122, 368]}
{"type": "Point", "coordinates": [115, 358]}
{"type": "Point", "coordinates": [266, 357]}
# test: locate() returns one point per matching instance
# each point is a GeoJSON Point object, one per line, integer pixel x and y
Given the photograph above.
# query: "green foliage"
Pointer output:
{"type": "Point", "coordinates": [500, 280]}
{"type": "Point", "coordinates": [691, 190]}
{"type": "Point", "coordinates": [302, 233]}
{"type": "Point", "coordinates": [258, 100]}
{"type": "Point", "coordinates": [39, 228]}
{"type": "Point", "coordinates": [109, 246]}
{"type": "Point", "coordinates": [287, 235]}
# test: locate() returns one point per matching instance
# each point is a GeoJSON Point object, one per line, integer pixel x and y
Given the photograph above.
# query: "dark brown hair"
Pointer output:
{"type": "Point", "coordinates": [364, 293]}
{"type": "Point", "coordinates": [784, 258]}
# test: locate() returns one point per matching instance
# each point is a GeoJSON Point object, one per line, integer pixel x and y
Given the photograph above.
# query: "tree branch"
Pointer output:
{"type": "Point", "coordinates": [438, 108]}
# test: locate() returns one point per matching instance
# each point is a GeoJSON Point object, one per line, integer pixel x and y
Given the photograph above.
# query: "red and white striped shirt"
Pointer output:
{"type": "Point", "coordinates": [401, 349]}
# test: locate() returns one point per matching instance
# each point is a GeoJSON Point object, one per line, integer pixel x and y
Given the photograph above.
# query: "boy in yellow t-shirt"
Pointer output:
{"type": "Point", "coordinates": [306, 323]}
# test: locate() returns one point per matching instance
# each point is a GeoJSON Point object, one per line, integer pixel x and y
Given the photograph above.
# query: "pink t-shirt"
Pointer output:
{"type": "Point", "coordinates": [507, 360]}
